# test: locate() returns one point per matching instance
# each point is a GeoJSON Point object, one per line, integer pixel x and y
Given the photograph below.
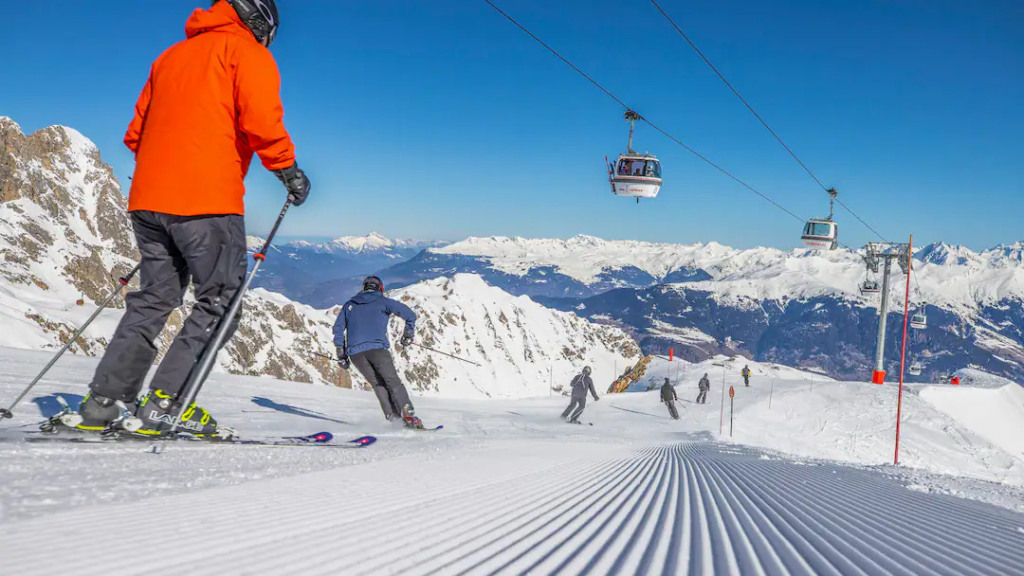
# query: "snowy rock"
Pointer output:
{"type": "Point", "coordinates": [523, 349]}
{"type": "Point", "coordinates": [65, 237]}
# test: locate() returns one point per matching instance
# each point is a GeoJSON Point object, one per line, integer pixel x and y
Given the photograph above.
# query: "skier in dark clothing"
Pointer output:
{"type": "Point", "coordinates": [746, 375]}
{"type": "Point", "coordinates": [580, 385]}
{"type": "Point", "coordinates": [361, 338]}
{"type": "Point", "coordinates": [211, 102]}
{"type": "Point", "coordinates": [669, 397]}
{"type": "Point", "coordinates": [703, 386]}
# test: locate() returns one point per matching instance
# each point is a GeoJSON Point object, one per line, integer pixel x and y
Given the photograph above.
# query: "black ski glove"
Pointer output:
{"type": "Point", "coordinates": [295, 182]}
{"type": "Point", "coordinates": [343, 360]}
{"type": "Point", "coordinates": [406, 341]}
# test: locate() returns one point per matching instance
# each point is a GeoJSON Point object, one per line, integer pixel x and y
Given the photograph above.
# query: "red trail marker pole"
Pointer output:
{"type": "Point", "coordinates": [732, 394]}
{"type": "Point", "coordinates": [903, 352]}
{"type": "Point", "coordinates": [721, 412]}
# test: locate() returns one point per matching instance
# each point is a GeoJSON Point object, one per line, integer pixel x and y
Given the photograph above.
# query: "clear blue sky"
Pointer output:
{"type": "Point", "coordinates": [441, 120]}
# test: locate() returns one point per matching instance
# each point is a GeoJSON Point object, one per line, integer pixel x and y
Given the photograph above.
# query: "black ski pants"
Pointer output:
{"type": "Point", "coordinates": [576, 406]}
{"type": "Point", "coordinates": [207, 250]}
{"type": "Point", "coordinates": [378, 368]}
{"type": "Point", "coordinates": [672, 410]}
{"type": "Point", "coordinates": [702, 397]}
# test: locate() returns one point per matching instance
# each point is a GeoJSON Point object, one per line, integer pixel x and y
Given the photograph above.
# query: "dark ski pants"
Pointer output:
{"type": "Point", "coordinates": [207, 250]}
{"type": "Point", "coordinates": [746, 380]}
{"type": "Point", "coordinates": [576, 406]}
{"type": "Point", "coordinates": [672, 410]}
{"type": "Point", "coordinates": [378, 368]}
{"type": "Point", "coordinates": [702, 398]}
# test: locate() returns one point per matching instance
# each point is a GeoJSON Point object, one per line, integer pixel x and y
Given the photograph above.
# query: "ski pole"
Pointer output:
{"type": "Point", "coordinates": [7, 413]}
{"type": "Point", "coordinates": [200, 372]}
{"type": "Point", "coordinates": [444, 354]}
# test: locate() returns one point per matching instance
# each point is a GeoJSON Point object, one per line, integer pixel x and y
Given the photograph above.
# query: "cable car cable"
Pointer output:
{"type": "Point", "coordinates": [649, 123]}
{"type": "Point", "coordinates": [560, 57]}
{"type": "Point", "coordinates": [758, 116]}
{"type": "Point", "coordinates": [741, 98]}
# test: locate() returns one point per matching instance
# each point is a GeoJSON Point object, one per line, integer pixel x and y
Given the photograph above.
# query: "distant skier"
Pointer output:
{"type": "Point", "coordinates": [361, 338]}
{"type": "Point", "coordinates": [669, 397]}
{"type": "Point", "coordinates": [580, 385]}
{"type": "Point", "coordinates": [703, 386]}
{"type": "Point", "coordinates": [211, 101]}
{"type": "Point", "coordinates": [746, 375]}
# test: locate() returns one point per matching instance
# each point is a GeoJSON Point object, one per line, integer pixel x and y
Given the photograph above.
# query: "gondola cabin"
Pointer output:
{"type": "Point", "coordinates": [919, 321]}
{"type": "Point", "coordinates": [821, 234]}
{"type": "Point", "coordinates": [915, 369]}
{"type": "Point", "coordinates": [870, 287]}
{"type": "Point", "coordinates": [635, 175]}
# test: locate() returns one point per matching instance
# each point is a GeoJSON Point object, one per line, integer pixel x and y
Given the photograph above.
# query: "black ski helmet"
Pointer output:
{"type": "Point", "coordinates": [373, 284]}
{"type": "Point", "coordinates": [260, 17]}
{"type": "Point", "coordinates": [586, 370]}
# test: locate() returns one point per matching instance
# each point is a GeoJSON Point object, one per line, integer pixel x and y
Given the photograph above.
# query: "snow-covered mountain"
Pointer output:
{"type": "Point", "coordinates": [65, 237]}
{"type": "Point", "coordinates": [798, 307]}
{"type": "Point", "coordinates": [323, 275]}
{"type": "Point", "coordinates": [522, 348]}
{"type": "Point", "coordinates": [585, 266]}
{"type": "Point", "coordinates": [371, 244]}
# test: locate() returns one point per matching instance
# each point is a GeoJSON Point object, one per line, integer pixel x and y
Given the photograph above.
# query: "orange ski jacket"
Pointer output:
{"type": "Point", "coordinates": [210, 102]}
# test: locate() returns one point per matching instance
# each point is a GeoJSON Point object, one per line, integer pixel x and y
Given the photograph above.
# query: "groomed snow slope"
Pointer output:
{"type": "Point", "coordinates": [507, 487]}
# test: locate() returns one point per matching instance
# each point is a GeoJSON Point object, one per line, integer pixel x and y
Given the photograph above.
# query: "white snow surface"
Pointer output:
{"type": "Point", "coordinates": [953, 277]}
{"type": "Point", "coordinates": [514, 458]}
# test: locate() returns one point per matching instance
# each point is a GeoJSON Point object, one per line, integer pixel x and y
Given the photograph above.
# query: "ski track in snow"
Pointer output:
{"type": "Point", "coordinates": [508, 488]}
{"type": "Point", "coordinates": [697, 507]}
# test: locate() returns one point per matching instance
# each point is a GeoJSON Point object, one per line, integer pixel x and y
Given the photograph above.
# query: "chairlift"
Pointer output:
{"type": "Point", "coordinates": [822, 233]}
{"type": "Point", "coordinates": [919, 321]}
{"type": "Point", "coordinates": [634, 175]}
{"type": "Point", "coordinates": [870, 287]}
{"type": "Point", "coordinates": [914, 369]}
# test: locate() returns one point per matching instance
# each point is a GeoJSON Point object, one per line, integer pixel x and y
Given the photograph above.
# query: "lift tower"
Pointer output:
{"type": "Point", "coordinates": [874, 254]}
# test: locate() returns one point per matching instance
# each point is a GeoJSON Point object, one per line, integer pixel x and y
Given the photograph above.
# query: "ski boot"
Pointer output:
{"type": "Point", "coordinates": [95, 413]}
{"type": "Point", "coordinates": [158, 409]}
{"type": "Point", "coordinates": [410, 418]}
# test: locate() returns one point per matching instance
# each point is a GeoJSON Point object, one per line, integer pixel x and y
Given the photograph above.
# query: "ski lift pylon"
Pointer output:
{"type": "Point", "coordinates": [634, 175]}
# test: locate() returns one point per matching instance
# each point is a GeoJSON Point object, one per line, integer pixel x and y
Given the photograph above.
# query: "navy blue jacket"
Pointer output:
{"type": "Point", "coordinates": [363, 322]}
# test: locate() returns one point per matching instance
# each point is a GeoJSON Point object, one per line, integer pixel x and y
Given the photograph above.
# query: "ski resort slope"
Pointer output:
{"type": "Point", "coordinates": [506, 487]}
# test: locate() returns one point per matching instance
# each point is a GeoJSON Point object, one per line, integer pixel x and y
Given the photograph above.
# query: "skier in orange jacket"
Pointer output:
{"type": "Point", "coordinates": [211, 101]}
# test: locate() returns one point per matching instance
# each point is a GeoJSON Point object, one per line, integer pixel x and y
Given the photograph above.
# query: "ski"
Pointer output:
{"type": "Point", "coordinates": [425, 429]}
{"type": "Point", "coordinates": [323, 439]}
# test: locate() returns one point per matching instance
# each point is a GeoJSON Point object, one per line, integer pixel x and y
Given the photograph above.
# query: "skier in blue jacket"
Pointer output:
{"type": "Point", "coordinates": [361, 338]}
